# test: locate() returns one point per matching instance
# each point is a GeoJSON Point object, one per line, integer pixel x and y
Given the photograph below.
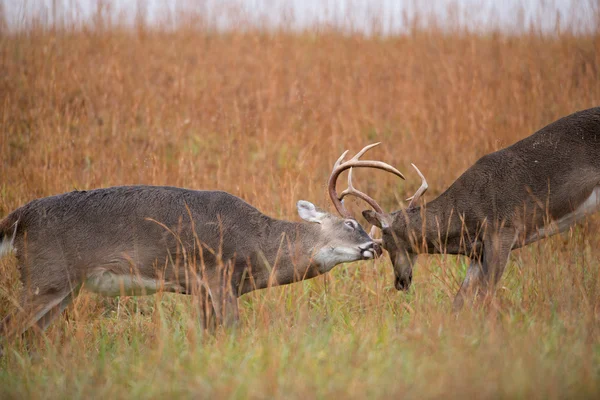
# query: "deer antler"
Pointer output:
{"type": "Point", "coordinates": [351, 190]}
{"type": "Point", "coordinates": [340, 166]}
{"type": "Point", "coordinates": [414, 199]}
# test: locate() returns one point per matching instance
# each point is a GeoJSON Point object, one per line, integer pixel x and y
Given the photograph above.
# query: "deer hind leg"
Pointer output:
{"type": "Point", "coordinates": [57, 310]}
{"type": "Point", "coordinates": [38, 313]}
{"type": "Point", "coordinates": [37, 310]}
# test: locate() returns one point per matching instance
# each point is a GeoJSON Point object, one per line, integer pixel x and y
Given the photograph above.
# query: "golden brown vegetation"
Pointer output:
{"type": "Point", "coordinates": [264, 116]}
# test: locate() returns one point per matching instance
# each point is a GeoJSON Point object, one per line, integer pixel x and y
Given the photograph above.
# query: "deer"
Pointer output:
{"type": "Point", "coordinates": [538, 187]}
{"type": "Point", "coordinates": [139, 240]}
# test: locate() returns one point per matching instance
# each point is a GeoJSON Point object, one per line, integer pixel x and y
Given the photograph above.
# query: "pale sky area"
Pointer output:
{"type": "Point", "coordinates": [507, 15]}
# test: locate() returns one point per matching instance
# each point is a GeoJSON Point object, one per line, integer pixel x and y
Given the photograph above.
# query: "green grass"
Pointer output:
{"type": "Point", "coordinates": [349, 335]}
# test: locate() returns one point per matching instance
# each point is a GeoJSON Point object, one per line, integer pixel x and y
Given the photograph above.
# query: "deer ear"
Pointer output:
{"type": "Point", "coordinates": [308, 212]}
{"type": "Point", "coordinates": [374, 218]}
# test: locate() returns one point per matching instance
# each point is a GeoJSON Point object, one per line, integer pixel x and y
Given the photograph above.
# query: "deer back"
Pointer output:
{"type": "Point", "coordinates": [128, 228]}
{"type": "Point", "coordinates": [545, 175]}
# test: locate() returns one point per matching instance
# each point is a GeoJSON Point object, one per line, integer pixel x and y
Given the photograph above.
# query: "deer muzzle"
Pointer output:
{"type": "Point", "coordinates": [403, 283]}
{"type": "Point", "coordinates": [403, 269]}
{"type": "Point", "coordinates": [378, 249]}
{"type": "Point", "coordinates": [370, 250]}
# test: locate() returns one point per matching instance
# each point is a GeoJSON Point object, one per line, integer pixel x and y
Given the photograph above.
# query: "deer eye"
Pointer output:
{"type": "Point", "coordinates": [350, 224]}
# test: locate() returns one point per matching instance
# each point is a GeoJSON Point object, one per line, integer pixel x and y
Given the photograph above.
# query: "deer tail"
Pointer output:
{"type": "Point", "coordinates": [8, 232]}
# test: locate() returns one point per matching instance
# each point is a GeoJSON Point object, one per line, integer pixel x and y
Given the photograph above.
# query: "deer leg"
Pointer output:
{"type": "Point", "coordinates": [38, 313]}
{"type": "Point", "coordinates": [231, 314]}
{"type": "Point", "coordinates": [225, 305]}
{"type": "Point", "coordinates": [222, 296]}
{"type": "Point", "coordinates": [482, 276]}
{"type": "Point", "coordinates": [206, 310]}
{"type": "Point", "coordinates": [470, 285]}
{"type": "Point", "coordinates": [55, 311]}
{"type": "Point", "coordinates": [38, 310]}
{"type": "Point", "coordinates": [217, 305]}
{"type": "Point", "coordinates": [496, 251]}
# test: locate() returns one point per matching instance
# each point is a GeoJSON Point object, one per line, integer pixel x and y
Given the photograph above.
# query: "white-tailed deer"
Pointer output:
{"type": "Point", "coordinates": [536, 188]}
{"type": "Point", "coordinates": [142, 239]}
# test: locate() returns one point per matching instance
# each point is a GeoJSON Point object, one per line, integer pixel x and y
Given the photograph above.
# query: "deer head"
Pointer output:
{"type": "Point", "coordinates": [397, 237]}
{"type": "Point", "coordinates": [371, 215]}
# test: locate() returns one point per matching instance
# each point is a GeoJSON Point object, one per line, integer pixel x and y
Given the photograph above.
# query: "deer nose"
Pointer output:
{"type": "Point", "coordinates": [403, 283]}
{"type": "Point", "coordinates": [367, 246]}
{"type": "Point", "coordinates": [378, 249]}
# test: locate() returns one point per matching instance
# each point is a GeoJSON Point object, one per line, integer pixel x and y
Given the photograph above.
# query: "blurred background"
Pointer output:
{"type": "Point", "coordinates": [174, 92]}
{"type": "Point", "coordinates": [259, 98]}
{"type": "Point", "coordinates": [378, 16]}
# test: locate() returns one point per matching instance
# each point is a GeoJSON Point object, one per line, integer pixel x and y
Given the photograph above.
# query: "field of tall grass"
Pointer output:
{"type": "Point", "coordinates": [264, 115]}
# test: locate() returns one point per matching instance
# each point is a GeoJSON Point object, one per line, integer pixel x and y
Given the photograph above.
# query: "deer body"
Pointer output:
{"type": "Point", "coordinates": [530, 190]}
{"type": "Point", "coordinates": [142, 239]}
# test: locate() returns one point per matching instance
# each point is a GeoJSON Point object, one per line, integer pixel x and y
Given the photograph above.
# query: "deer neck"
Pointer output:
{"type": "Point", "coordinates": [291, 242]}
{"type": "Point", "coordinates": [285, 255]}
{"type": "Point", "coordinates": [434, 228]}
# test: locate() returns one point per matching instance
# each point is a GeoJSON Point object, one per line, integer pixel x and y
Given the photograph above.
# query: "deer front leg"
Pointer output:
{"type": "Point", "coordinates": [483, 276]}
{"type": "Point", "coordinates": [223, 305]}
{"type": "Point", "coordinates": [231, 315]}
{"type": "Point", "coordinates": [226, 306]}
{"type": "Point", "coordinates": [204, 307]}
{"type": "Point", "coordinates": [470, 286]}
{"type": "Point", "coordinates": [496, 251]}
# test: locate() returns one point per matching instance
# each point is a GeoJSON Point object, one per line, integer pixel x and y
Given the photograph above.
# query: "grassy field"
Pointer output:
{"type": "Point", "coordinates": [264, 116]}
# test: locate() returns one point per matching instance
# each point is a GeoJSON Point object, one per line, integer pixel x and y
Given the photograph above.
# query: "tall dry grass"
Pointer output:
{"type": "Point", "coordinates": [264, 115]}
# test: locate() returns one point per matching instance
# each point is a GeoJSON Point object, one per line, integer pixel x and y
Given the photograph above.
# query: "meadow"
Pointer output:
{"type": "Point", "coordinates": [264, 115]}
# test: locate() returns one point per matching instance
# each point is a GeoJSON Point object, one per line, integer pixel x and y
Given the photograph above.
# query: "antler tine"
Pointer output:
{"type": "Point", "coordinates": [424, 186]}
{"type": "Point", "coordinates": [364, 150]}
{"type": "Point", "coordinates": [340, 166]}
{"type": "Point", "coordinates": [372, 233]}
{"type": "Point", "coordinates": [350, 185]}
{"type": "Point", "coordinates": [339, 160]}
{"type": "Point", "coordinates": [337, 201]}
{"type": "Point", "coordinates": [351, 190]}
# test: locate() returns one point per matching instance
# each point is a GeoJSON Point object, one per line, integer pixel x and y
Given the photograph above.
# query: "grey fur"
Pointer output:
{"type": "Point", "coordinates": [203, 242]}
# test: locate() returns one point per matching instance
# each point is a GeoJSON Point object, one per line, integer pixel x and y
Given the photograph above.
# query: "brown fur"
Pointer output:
{"type": "Point", "coordinates": [500, 202]}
